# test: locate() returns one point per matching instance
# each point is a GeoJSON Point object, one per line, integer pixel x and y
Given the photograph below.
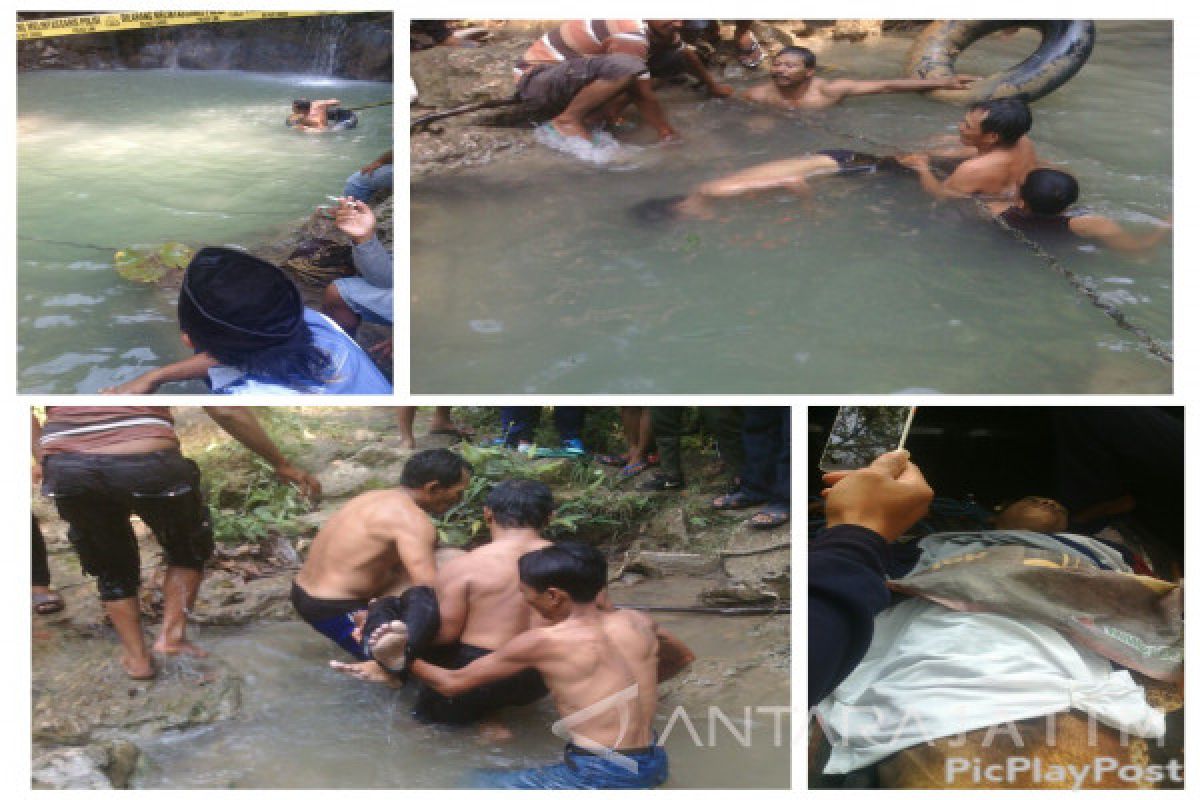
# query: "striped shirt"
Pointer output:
{"type": "Point", "coordinates": [578, 38]}
{"type": "Point", "coordinates": [82, 429]}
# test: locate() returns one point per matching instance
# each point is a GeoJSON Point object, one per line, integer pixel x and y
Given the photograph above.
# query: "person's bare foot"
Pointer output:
{"type": "Point", "coordinates": [181, 648]}
{"type": "Point", "coordinates": [570, 127]}
{"type": "Point", "coordinates": [139, 669]}
{"type": "Point", "coordinates": [408, 444]}
{"type": "Point", "coordinates": [387, 644]}
{"type": "Point", "coordinates": [494, 731]}
{"type": "Point", "coordinates": [367, 671]}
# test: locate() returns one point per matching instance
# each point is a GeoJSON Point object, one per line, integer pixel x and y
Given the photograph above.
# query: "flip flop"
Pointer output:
{"type": "Point", "coordinates": [737, 500]}
{"type": "Point", "coordinates": [631, 470]}
{"type": "Point", "coordinates": [461, 431]}
{"type": "Point", "coordinates": [47, 602]}
{"type": "Point", "coordinates": [750, 57]}
{"type": "Point", "coordinates": [773, 518]}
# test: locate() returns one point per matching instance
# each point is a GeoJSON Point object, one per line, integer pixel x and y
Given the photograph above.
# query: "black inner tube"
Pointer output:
{"type": "Point", "coordinates": [1064, 49]}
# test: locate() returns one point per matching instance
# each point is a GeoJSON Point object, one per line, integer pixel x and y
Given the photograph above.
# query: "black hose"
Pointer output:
{"type": "Point", "coordinates": [424, 120]}
{"type": "Point", "coordinates": [730, 611]}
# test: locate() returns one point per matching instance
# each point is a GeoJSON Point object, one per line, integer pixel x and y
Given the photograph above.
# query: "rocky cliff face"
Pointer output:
{"type": "Point", "coordinates": [355, 46]}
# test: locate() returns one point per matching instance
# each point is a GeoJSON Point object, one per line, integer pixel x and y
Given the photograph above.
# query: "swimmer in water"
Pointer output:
{"type": "Point", "coordinates": [311, 116]}
{"type": "Point", "coordinates": [793, 86]}
{"type": "Point", "coordinates": [602, 667]}
{"type": "Point", "coordinates": [1041, 211]}
{"type": "Point", "coordinates": [994, 157]}
{"type": "Point", "coordinates": [994, 135]}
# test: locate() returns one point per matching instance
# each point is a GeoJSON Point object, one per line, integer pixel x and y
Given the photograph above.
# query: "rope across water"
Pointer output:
{"type": "Point", "coordinates": [1152, 345]}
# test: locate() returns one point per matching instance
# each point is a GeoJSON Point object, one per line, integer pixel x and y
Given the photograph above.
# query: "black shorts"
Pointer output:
{"type": "Point", "coordinates": [518, 690]}
{"type": "Point", "coordinates": [417, 609]}
{"type": "Point", "coordinates": [851, 162]}
{"type": "Point", "coordinates": [95, 495]}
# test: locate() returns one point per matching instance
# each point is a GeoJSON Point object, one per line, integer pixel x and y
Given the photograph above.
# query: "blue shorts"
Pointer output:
{"type": "Point", "coordinates": [372, 303]}
{"type": "Point", "coordinates": [333, 619]}
{"type": "Point", "coordinates": [583, 770]}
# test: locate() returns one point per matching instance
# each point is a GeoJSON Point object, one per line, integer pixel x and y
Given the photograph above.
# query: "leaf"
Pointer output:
{"type": "Point", "coordinates": [143, 264]}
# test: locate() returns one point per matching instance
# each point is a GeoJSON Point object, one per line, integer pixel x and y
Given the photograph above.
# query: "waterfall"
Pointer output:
{"type": "Point", "coordinates": [324, 41]}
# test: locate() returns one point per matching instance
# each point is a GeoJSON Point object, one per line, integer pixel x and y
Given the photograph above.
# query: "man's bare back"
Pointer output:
{"type": "Point", "coordinates": [375, 545]}
{"type": "Point", "coordinates": [479, 594]}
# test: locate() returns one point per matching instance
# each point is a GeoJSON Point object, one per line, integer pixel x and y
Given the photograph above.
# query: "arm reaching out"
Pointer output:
{"type": "Point", "coordinates": [242, 425]}
{"type": "Point", "coordinates": [1112, 235]}
{"type": "Point", "coordinates": [673, 655]}
{"type": "Point", "coordinates": [191, 368]}
{"type": "Point", "coordinates": [850, 88]}
{"type": "Point", "coordinates": [520, 653]}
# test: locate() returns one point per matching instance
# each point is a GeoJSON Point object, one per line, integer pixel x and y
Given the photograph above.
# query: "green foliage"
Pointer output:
{"type": "Point", "coordinates": [144, 264]}
{"type": "Point", "coordinates": [588, 506]}
{"type": "Point", "coordinates": [249, 510]}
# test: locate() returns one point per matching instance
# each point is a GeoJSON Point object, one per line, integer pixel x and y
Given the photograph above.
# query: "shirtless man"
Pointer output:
{"type": "Point", "coordinates": [1000, 154]}
{"type": "Point", "coordinates": [1041, 211]}
{"type": "Point", "coordinates": [473, 608]}
{"type": "Point", "coordinates": [311, 115]}
{"type": "Point", "coordinates": [794, 87]}
{"type": "Point", "coordinates": [994, 147]}
{"type": "Point", "coordinates": [602, 668]}
{"type": "Point", "coordinates": [378, 544]}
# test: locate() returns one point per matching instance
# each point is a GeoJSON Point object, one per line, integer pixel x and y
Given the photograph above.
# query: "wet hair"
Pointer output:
{"type": "Point", "coordinates": [521, 503]}
{"type": "Point", "coordinates": [656, 210]}
{"type": "Point", "coordinates": [576, 568]}
{"type": "Point", "coordinates": [1010, 118]}
{"type": "Point", "coordinates": [438, 466]}
{"type": "Point", "coordinates": [810, 58]}
{"type": "Point", "coordinates": [302, 105]}
{"type": "Point", "coordinates": [1049, 191]}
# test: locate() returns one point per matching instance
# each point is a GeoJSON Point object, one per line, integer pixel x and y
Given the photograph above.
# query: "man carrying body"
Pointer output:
{"type": "Point", "coordinates": [601, 666]}
{"type": "Point", "coordinates": [793, 86]}
{"type": "Point", "coordinates": [102, 463]}
{"type": "Point", "coordinates": [587, 70]}
{"type": "Point", "coordinates": [377, 544]}
{"type": "Point", "coordinates": [473, 608]}
{"type": "Point", "coordinates": [311, 115]}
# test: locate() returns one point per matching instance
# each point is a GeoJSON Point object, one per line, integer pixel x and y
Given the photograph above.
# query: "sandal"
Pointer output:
{"type": "Point", "coordinates": [49, 602]}
{"type": "Point", "coordinates": [770, 517]}
{"type": "Point", "coordinates": [737, 500]}
{"type": "Point", "coordinates": [661, 483]}
{"type": "Point", "coordinates": [634, 469]}
{"type": "Point", "coordinates": [750, 57]}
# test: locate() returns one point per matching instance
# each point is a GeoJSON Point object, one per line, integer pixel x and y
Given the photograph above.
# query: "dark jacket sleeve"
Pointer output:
{"type": "Point", "coordinates": [846, 589]}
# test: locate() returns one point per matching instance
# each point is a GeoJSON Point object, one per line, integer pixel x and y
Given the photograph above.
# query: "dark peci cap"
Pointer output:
{"type": "Point", "coordinates": [233, 300]}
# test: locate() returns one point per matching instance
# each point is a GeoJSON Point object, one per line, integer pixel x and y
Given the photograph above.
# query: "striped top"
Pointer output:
{"type": "Point", "coordinates": [83, 429]}
{"type": "Point", "coordinates": [578, 38]}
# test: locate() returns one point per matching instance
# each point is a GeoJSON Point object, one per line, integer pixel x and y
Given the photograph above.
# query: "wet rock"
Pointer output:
{"type": "Point", "coordinates": [343, 478]}
{"type": "Point", "coordinates": [664, 564]}
{"type": "Point", "coordinates": [238, 602]}
{"type": "Point", "coordinates": [83, 696]}
{"type": "Point", "coordinates": [855, 30]}
{"type": "Point", "coordinates": [377, 455]}
{"type": "Point", "coordinates": [767, 573]}
{"type": "Point", "coordinates": [106, 765]}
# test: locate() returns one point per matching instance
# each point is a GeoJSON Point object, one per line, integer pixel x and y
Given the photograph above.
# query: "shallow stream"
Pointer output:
{"type": "Point", "coordinates": [304, 726]}
{"type": "Point", "coordinates": [109, 159]}
{"type": "Point", "coordinates": [530, 274]}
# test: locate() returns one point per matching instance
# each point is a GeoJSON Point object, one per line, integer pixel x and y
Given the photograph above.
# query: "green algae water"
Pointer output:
{"type": "Point", "coordinates": [302, 725]}
{"type": "Point", "coordinates": [109, 159]}
{"type": "Point", "coordinates": [530, 275]}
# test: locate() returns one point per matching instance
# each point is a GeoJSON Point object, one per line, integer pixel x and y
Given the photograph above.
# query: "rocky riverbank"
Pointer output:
{"type": "Point", "coordinates": [446, 77]}
{"type": "Point", "coordinates": [355, 46]}
{"type": "Point", "coordinates": [88, 718]}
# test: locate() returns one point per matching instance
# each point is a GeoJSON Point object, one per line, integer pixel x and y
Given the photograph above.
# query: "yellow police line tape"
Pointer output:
{"type": "Point", "coordinates": [103, 23]}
